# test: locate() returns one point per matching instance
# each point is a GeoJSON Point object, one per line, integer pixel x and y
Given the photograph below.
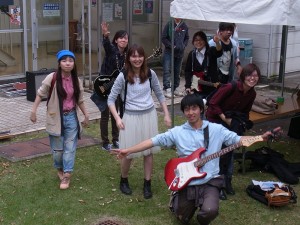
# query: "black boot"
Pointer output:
{"type": "Point", "coordinates": [229, 188]}
{"type": "Point", "coordinates": [222, 195]}
{"type": "Point", "coordinates": [147, 189]}
{"type": "Point", "coordinates": [124, 186]}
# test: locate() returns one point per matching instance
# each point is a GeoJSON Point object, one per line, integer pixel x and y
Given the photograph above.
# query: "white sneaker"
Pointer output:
{"type": "Point", "coordinates": [178, 93]}
{"type": "Point", "coordinates": [168, 93]}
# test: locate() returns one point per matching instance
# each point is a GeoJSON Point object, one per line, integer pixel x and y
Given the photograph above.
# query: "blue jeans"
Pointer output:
{"type": "Point", "coordinates": [64, 147]}
{"type": "Point", "coordinates": [167, 57]}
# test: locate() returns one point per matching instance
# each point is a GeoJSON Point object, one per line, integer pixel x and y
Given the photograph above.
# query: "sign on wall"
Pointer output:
{"type": "Point", "coordinates": [138, 7]}
{"type": "Point", "coordinates": [51, 9]}
{"type": "Point", "coordinates": [15, 17]}
{"type": "Point", "coordinates": [6, 2]}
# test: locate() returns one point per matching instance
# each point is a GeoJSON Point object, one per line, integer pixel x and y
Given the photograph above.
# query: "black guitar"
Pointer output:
{"type": "Point", "coordinates": [103, 83]}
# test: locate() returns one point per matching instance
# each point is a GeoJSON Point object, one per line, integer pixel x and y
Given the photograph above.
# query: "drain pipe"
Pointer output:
{"type": "Point", "coordinates": [283, 56]}
{"type": "Point", "coordinates": [270, 52]}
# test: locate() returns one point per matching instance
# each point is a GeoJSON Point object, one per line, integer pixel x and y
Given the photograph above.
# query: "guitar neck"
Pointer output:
{"type": "Point", "coordinates": [230, 148]}
{"type": "Point", "coordinates": [207, 83]}
{"type": "Point", "coordinates": [149, 57]}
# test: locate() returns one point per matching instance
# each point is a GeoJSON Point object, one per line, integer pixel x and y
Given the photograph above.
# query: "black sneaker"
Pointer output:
{"type": "Point", "coordinates": [106, 147]}
{"type": "Point", "coordinates": [116, 144]}
{"type": "Point", "coordinates": [222, 195]}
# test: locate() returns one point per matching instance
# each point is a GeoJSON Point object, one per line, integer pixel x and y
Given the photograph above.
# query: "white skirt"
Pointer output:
{"type": "Point", "coordinates": [138, 128]}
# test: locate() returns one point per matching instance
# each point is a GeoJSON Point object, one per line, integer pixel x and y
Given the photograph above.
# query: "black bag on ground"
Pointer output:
{"type": "Point", "coordinates": [280, 168]}
{"type": "Point", "coordinates": [271, 161]}
{"type": "Point", "coordinates": [257, 193]}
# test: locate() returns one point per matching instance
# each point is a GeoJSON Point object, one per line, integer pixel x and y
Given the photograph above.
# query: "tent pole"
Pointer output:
{"type": "Point", "coordinates": [283, 56]}
{"type": "Point", "coordinates": [172, 71]}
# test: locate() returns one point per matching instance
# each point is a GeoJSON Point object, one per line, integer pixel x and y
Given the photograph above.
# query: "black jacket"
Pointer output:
{"type": "Point", "coordinates": [209, 63]}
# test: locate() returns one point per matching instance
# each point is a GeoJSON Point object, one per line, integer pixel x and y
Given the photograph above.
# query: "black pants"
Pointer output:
{"type": "Point", "coordinates": [104, 125]}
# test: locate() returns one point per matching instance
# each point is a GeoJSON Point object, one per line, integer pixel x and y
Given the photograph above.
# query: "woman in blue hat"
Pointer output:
{"type": "Point", "coordinates": [64, 91]}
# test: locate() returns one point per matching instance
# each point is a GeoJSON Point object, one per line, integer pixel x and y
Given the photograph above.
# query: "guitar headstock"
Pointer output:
{"type": "Point", "coordinates": [251, 140]}
{"type": "Point", "coordinates": [156, 53]}
{"type": "Point", "coordinates": [276, 134]}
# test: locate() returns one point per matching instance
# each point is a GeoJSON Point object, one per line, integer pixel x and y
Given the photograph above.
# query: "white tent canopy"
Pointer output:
{"type": "Point", "coordinates": [262, 12]}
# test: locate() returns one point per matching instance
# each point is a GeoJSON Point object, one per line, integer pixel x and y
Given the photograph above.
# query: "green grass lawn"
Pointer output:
{"type": "Point", "coordinates": [30, 192]}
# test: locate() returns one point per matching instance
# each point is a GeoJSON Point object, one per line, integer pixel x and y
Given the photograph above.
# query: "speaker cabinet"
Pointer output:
{"type": "Point", "coordinates": [34, 81]}
{"type": "Point", "coordinates": [294, 128]}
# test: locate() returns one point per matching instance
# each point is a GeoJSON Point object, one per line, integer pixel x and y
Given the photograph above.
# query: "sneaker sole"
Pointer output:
{"type": "Point", "coordinates": [106, 149]}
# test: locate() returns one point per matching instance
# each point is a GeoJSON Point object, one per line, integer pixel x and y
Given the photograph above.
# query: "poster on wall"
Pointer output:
{"type": "Point", "coordinates": [138, 7]}
{"type": "Point", "coordinates": [51, 9]}
{"type": "Point", "coordinates": [94, 3]}
{"type": "Point", "coordinates": [149, 6]}
{"type": "Point", "coordinates": [6, 2]}
{"type": "Point", "coordinates": [15, 17]}
{"type": "Point", "coordinates": [118, 11]}
{"type": "Point", "coordinates": [107, 12]}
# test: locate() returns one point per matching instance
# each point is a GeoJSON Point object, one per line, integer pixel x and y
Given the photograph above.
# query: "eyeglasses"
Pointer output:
{"type": "Point", "coordinates": [252, 76]}
{"type": "Point", "coordinates": [198, 40]}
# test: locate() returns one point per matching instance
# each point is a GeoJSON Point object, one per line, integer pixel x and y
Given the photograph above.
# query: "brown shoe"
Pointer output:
{"type": "Point", "coordinates": [60, 174]}
{"type": "Point", "coordinates": [65, 182]}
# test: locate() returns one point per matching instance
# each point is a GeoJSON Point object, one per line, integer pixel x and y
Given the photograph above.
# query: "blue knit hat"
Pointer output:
{"type": "Point", "coordinates": [63, 53]}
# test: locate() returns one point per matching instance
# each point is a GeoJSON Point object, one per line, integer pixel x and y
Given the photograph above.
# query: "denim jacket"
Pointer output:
{"type": "Point", "coordinates": [181, 38]}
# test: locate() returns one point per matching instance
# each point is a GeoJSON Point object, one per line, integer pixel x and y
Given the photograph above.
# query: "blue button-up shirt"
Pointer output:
{"type": "Point", "coordinates": [187, 140]}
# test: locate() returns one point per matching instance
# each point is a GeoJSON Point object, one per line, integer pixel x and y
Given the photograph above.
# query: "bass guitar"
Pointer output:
{"type": "Point", "coordinates": [103, 83]}
{"type": "Point", "coordinates": [179, 172]}
{"type": "Point", "coordinates": [198, 81]}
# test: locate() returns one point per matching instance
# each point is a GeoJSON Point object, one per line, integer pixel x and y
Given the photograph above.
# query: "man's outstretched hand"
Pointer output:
{"type": "Point", "coordinates": [272, 134]}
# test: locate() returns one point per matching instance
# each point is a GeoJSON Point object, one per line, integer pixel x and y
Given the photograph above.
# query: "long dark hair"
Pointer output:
{"type": "Point", "coordinates": [120, 34]}
{"type": "Point", "coordinates": [60, 90]}
{"type": "Point", "coordinates": [143, 73]}
{"type": "Point", "coordinates": [203, 36]}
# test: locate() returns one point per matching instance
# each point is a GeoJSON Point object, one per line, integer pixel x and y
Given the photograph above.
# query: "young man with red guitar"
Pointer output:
{"type": "Point", "coordinates": [194, 176]}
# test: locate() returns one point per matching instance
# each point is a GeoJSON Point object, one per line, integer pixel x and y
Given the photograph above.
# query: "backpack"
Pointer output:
{"type": "Point", "coordinates": [122, 103]}
{"type": "Point", "coordinates": [269, 198]}
{"type": "Point", "coordinates": [211, 94]}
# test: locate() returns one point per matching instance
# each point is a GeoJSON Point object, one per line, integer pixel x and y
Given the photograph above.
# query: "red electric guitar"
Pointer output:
{"type": "Point", "coordinates": [198, 81]}
{"type": "Point", "coordinates": [180, 171]}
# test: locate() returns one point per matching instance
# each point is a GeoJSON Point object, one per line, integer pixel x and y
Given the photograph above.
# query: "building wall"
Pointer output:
{"type": "Point", "coordinates": [266, 42]}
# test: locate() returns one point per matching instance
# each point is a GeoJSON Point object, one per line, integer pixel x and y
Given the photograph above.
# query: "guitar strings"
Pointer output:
{"type": "Point", "coordinates": [117, 62]}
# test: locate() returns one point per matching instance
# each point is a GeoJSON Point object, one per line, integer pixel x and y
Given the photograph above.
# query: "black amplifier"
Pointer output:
{"type": "Point", "coordinates": [294, 128]}
{"type": "Point", "coordinates": [34, 81]}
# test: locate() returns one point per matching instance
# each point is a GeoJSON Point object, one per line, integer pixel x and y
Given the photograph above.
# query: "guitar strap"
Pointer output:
{"type": "Point", "coordinates": [206, 137]}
